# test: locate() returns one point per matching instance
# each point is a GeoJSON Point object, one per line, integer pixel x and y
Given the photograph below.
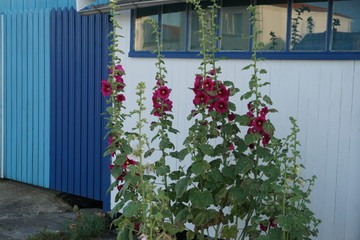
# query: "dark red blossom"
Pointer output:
{"type": "Point", "coordinates": [264, 111]}
{"type": "Point", "coordinates": [265, 140]}
{"type": "Point", "coordinates": [201, 97]}
{"type": "Point", "coordinates": [121, 177]}
{"type": "Point", "coordinates": [120, 187]}
{"type": "Point", "coordinates": [209, 84]}
{"type": "Point", "coordinates": [120, 80]}
{"type": "Point", "coordinates": [117, 68]}
{"type": "Point", "coordinates": [197, 84]}
{"type": "Point", "coordinates": [162, 92]}
{"type": "Point", "coordinates": [221, 105]}
{"type": "Point", "coordinates": [120, 98]}
{"type": "Point", "coordinates": [263, 227]}
{"type": "Point", "coordinates": [222, 92]}
{"type": "Point", "coordinates": [212, 72]}
{"type": "Point", "coordinates": [106, 89]}
{"type": "Point", "coordinates": [231, 147]}
{"type": "Point", "coordinates": [231, 117]}
{"type": "Point", "coordinates": [111, 140]}
{"type": "Point", "coordinates": [251, 107]}
{"type": "Point", "coordinates": [128, 162]}
{"type": "Point", "coordinates": [111, 166]}
{"type": "Point", "coordinates": [258, 123]}
{"type": "Point", "coordinates": [250, 114]}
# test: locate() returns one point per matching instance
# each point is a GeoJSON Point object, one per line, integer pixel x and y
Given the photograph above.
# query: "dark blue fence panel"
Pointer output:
{"type": "Point", "coordinates": [79, 57]}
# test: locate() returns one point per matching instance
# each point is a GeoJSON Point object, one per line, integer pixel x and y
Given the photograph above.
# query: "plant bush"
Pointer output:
{"type": "Point", "coordinates": [242, 183]}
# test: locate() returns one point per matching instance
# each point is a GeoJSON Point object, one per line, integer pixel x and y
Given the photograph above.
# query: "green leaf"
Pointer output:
{"type": "Point", "coordinates": [207, 149]}
{"type": "Point", "coordinates": [200, 167]}
{"type": "Point", "coordinates": [231, 106]}
{"type": "Point", "coordinates": [175, 175]}
{"type": "Point", "coordinates": [190, 235]}
{"type": "Point", "coordinates": [267, 100]}
{"type": "Point", "coordinates": [149, 152]}
{"type": "Point", "coordinates": [262, 152]}
{"type": "Point", "coordinates": [243, 165]}
{"type": "Point", "coordinates": [201, 199]}
{"type": "Point", "coordinates": [275, 234]}
{"type": "Point", "coordinates": [173, 130]}
{"type": "Point", "coordinates": [162, 170]}
{"type": "Point", "coordinates": [131, 209]}
{"type": "Point", "coordinates": [204, 217]}
{"type": "Point", "coordinates": [248, 67]}
{"type": "Point", "coordinates": [273, 110]}
{"type": "Point", "coordinates": [250, 186]}
{"type": "Point", "coordinates": [236, 195]}
{"type": "Point", "coordinates": [171, 228]}
{"type": "Point", "coordinates": [179, 155]}
{"type": "Point", "coordinates": [181, 186]}
{"type": "Point", "coordinates": [165, 143]}
{"type": "Point", "coordinates": [229, 232]}
{"type": "Point", "coordinates": [228, 171]}
{"type": "Point", "coordinates": [252, 138]}
{"type": "Point", "coordinates": [243, 120]}
{"type": "Point", "coordinates": [182, 216]}
{"type": "Point", "coordinates": [269, 128]}
{"type": "Point", "coordinates": [228, 83]}
{"type": "Point", "coordinates": [221, 195]}
{"type": "Point", "coordinates": [246, 96]}
{"type": "Point", "coordinates": [215, 175]}
{"type": "Point", "coordinates": [263, 71]}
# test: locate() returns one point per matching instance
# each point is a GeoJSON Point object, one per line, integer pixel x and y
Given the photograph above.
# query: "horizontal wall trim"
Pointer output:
{"type": "Point", "coordinates": [248, 55]}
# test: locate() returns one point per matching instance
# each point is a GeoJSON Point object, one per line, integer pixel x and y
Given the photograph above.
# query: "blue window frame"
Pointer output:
{"type": "Point", "coordinates": [292, 29]}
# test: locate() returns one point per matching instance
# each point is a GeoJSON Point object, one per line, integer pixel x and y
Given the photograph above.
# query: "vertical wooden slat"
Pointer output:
{"type": "Point", "coordinates": [84, 105]}
{"type": "Point", "coordinates": [91, 107]}
{"type": "Point", "coordinates": [58, 97]}
{"type": "Point", "coordinates": [13, 98]}
{"type": "Point", "coordinates": [65, 100]}
{"type": "Point", "coordinates": [18, 80]}
{"type": "Point", "coordinates": [53, 90]}
{"type": "Point", "coordinates": [77, 115]}
{"type": "Point", "coordinates": [7, 85]}
{"type": "Point", "coordinates": [1, 97]}
{"type": "Point", "coordinates": [97, 105]}
{"type": "Point", "coordinates": [71, 93]}
{"type": "Point", "coordinates": [36, 99]}
{"type": "Point", "coordinates": [41, 94]}
{"type": "Point", "coordinates": [47, 111]}
{"type": "Point", "coordinates": [30, 101]}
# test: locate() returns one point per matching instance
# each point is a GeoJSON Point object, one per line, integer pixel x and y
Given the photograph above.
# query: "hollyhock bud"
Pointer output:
{"type": "Point", "coordinates": [231, 117]}
{"type": "Point", "coordinates": [120, 98]}
{"type": "Point", "coordinates": [264, 111]}
{"type": "Point", "coordinates": [120, 187]}
{"type": "Point", "coordinates": [231, 147]}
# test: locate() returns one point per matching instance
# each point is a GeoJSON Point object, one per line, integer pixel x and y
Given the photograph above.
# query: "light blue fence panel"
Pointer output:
{"type": "Point", "coordinates": [22, 5]}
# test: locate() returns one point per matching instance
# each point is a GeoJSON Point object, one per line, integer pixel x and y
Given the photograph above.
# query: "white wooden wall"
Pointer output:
{"type": "Point", "coordinates": [322, 95]}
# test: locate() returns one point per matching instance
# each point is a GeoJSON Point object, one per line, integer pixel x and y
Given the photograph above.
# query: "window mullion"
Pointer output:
{"type": "Point", "coordinates": [288, 26]}
{"type": "Point", "coordinates": [187, 30]}
{"type": "Point", "coordinates": [329, 25]}
{"type": "Point", "coordinates": [160, 11]}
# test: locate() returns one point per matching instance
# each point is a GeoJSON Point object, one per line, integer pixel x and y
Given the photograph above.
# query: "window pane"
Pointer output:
{"type": "Point", "coordinates": [272, 23]}
{"type": "Point", "coordinates": [174, 27]}
{"type": "Point", "coordinates": [194, 36]}
{"type": "Point", "coordinates": [346, 25]}
{"type": "Point", "coordinates": [308, 25]}
{"type": "Point", "coordinates": [144, 37]}
{"type": "Point", "coordinates": [235, 25]}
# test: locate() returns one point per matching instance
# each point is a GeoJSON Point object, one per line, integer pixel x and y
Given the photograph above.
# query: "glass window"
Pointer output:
{"type": "Point", "coordinates": [235, 25]}
{"type": "Point", "coordinates": [308, 25]}
{"type": "Point", "coordinates": [346, 25]}
{"type": "Point", "coordinates": [144, 37]}
{"type": "Point", "coordinates": [272, 23]}
{"type": "Point", "coordinates": [174, 27]}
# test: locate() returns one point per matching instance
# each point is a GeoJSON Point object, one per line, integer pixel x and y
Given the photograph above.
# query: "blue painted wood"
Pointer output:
{"type": "Point", "coordinates": [14, 99]}
{"type": "Point", "coordinates": [47, 100]}
{"type": "Point", "coordinates": [76, 138]}
{"type": "Point", "coordinates": [71, 93]}
{"type": "Point", "coordinates": [21, 5]}
{"type": "Point", "coordinates": [65, 101]}
{"type": "Point", "coordinates": [35, 64]}
{"type": "Point", "coordinates": [7, 101]}
{"type": "Point", "coordinates": [91, 105]}
{"type": "Point", "coordinates": [30, 96]}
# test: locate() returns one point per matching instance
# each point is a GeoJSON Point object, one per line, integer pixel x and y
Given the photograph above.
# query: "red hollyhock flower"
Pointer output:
{"type": "Point", "coordinates": [231, 117]}
{"type": "Point", "coordinates": [263, 227]}
{"type": "Point", "coordinates": [258, 123]}
{"type": "Point", "coordinates": [197, 84]}
{"type": "Point", "coordinates": [221, 105]}
{"type": "Point", "coordinates": [119, 68]}
{"type": "Point", "coordinates": [106, 89]}
{"type": "Point", "coordinates": [111, 140]}
{"type": "Point", "coordinates": [137, 227]}
{"type": "Point", "coordinates": [120, 187]}
{"type": "Point", "coordinates": [167, 104]}
{"type": "Point", "coordinates": [209, 84]}
{"type": "Point", "coordinates": [121, 177]}
{"type": "Point", "coordinates": [231, 147]}
{"type": "Point", "coordinates": [156, 101]}
{"type": "Point", "coordinates": [162, 92]}
{"type": "Point", "coordinates": [264, 111]}
{"type": "Point", "coordinates": [120, 98]}
{"type": "Point", "coordinates": [251, 107]}
{"type": "Point", "coordinates": [222, 92]}
{"type": "Point", "coordinates": [128, 162]}
{"type": "Point", "coordinates": [158, 113]}
{"type": "Point", "coordinates": [250, 114]}
{"type": "Point", "coordinates": [212, 72]}
{"type": "Point", "coordinates": [266, 139]}
{"type": "Point", "coordinates": [201, 97]}
{"type": "Point", "coordinates": [272, 223]}
{"type": "Point", "coordinates": [111, 166]}
{"type": "Point", "coordinates": [120, 80]}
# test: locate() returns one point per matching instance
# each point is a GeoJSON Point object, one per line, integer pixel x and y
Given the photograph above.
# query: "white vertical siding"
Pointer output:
{"type": "Point", "coordinates": [322, 95]}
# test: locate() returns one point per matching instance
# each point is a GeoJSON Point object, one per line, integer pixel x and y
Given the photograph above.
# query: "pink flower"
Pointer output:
{"type": "Point", "coordinates": [120, 80]}
{"type": "Point", "coordinates": [117, 68]}
{"type": "Point", "coordinates": [264, 111]}
{"type": "Point", "coordinates": [221, 105]}
{"type": "Point", "coordinates": [167, 104]}
{"type": "Point", "coordinates": [231, 117]}
{"type": "Point", "coordinates": [162, 92]}
{"type": "Point", "coordinates": [222, 92]}
{"type": "Point", "coordinates": [258, 123]}
{"type": "Point", "coordinates": [106, 89]}
{"type": "Point", "coordinates": [201, 97]}
{"type": "Point", "coordinates": [111, 140]}
{"type": "Point", "coordinates": [231, 147]}
{"type": "Point", "coordinates": [209, 84]}
{"type": "Point", "coordinates": [266, 139]}
{"type": "Point", "coordinates": [120, 98]}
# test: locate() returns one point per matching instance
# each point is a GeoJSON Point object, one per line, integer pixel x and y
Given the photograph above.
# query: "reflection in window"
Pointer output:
{"type": "Point", "coordinates": [272, 23]}
{"type": "Point", "coordinates": [235, 27]}
{"type": "Point", "coordinates": [144, 37]}
{"type": "Point", "coordinates": [174, 27]}
{"type": "Point", "coordinates": [308, 25]}
{"type": "Point", "coordinates": [346, 25]}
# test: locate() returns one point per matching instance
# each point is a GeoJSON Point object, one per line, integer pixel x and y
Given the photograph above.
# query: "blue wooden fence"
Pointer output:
{"type": "Point", "coordinates": [79, 57]}
{"type": "Point", "coordinates": [26, 96]}
{"type": "Point", "coordinates": [22, 5]}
